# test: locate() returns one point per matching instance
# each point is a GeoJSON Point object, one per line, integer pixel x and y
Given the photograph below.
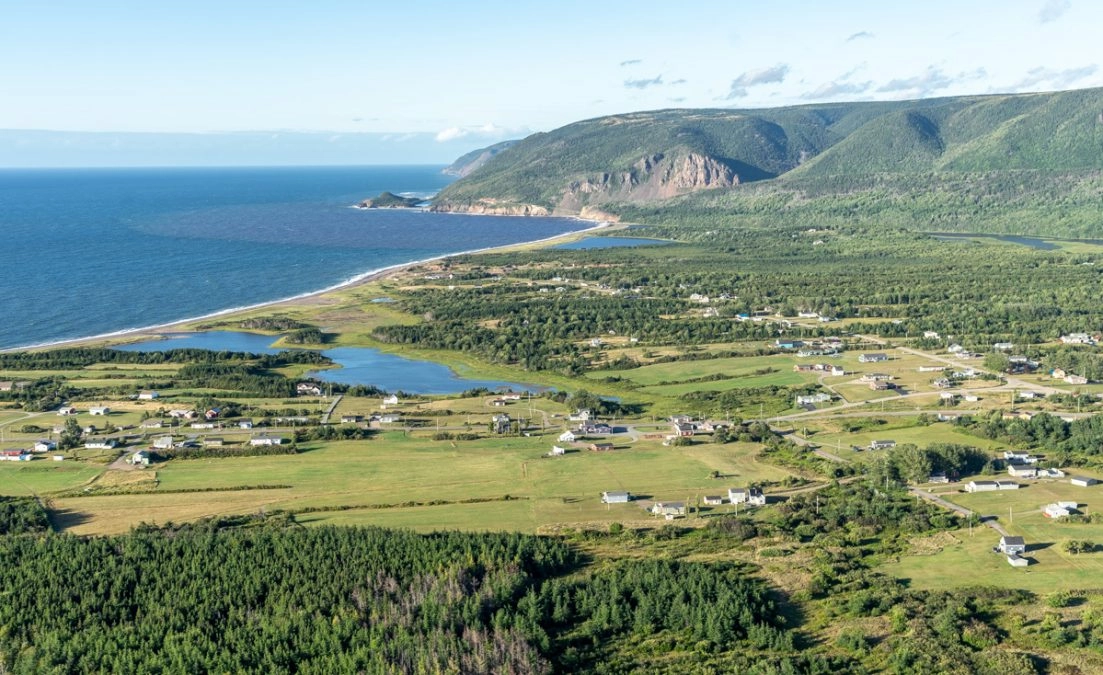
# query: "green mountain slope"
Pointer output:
{"type": "Point", "coordinates": [629, 163]}
{"type": "Point", "coordinates": [467, 163]}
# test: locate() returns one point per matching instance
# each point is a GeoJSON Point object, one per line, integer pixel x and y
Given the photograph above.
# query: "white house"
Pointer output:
{"type": "Point", "coordinates": [669, 509]}
{"type": "Point", "coordinates": [1019, 457]}
{"type": "Point", "coordinates": [1076, 379]}
{"type": "Point", "coordinates": [567, 437]}
{"type": "Point", "coordinates": [163, 442]}
{"type": "Point", "coordinates": [882, 445]}
{"type": "Point", "coordinates": [872, 358]}
{"type": "Point", "coordinates": [1059, 509]}
{"type": "Point", "coordinates": [140, 458]}
{"type": "Point", "coordinates": [151, 423]}
{"type": "Point", "coordinates": [100, 443]}
{"type": "Point", "coordinates": [308, 389]}
{"type": "Point", "coordinates": [1022, 470]}
{"type": "Point", "coordinates": [582, 415]}
{"type": "Point", "coordinates": [1003, 346]}
{"type": "Point", "coordinates": [265, 439]}
{"type": "Point", "coordinates": [66, 410]}
{"type": "Point", "coordinates": [1012, 545]}
{"type": "Point", "coordinates": [99, 410]}
{"type": "Point", "coordinates": [930, 334]}
{"type": "Point", "coordinates": [148, 395]}
{"type": "Point", "coordinates": [1078, 339]}
{"type": "Point", "coordinates": [982, 486]}
{"type": "Point", "coordinates": [615, 497]}
{"type": "Point", "coordinates": [44, 445]}
{"type": "Point", "coordinates": [713, 500]}
{"type": "Point", "coordinates": [15, 456]}
{"type": "Point", "coordinates": [809, 399]}
{"type": "Point", "coordinates": [752, 496]}
{"type": "Point", "coordinates": [390, 400]}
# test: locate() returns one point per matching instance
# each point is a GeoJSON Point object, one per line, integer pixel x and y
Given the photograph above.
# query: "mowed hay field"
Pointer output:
{"type": "Point", "coordinates": [350, 481]}
{"type": "Point", "coordinates": [969, 560]}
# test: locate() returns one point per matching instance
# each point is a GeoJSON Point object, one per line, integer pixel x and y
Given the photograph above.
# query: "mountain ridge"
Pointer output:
{"type": "Point", "coordinates": [625, 162]}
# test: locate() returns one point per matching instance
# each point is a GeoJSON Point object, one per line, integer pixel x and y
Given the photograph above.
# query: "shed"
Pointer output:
{"type": "Point", "coordinates": [1017, 561]}
{"type": "Point", "coordinates": [616, 497]}
{"type": "Point", "coordinates": [713, 500]}
{"type": "Point", "coordinates": [1083, 481]}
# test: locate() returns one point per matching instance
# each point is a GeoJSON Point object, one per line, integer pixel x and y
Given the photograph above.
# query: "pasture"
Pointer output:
{"type": "Point", "coordinates": [369, 481]}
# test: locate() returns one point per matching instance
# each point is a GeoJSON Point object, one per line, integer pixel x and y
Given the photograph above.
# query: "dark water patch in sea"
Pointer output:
{"type": "Point", "coordinates": [96, 251]}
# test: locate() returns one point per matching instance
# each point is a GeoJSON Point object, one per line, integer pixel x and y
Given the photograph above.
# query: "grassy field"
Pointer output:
{"type": "Point", "coordinates": [397, 469]}
{"type": "Point", "coordinates": [43, 476]}
{"type": "Point", "coordinates": [829, 435]}
{"type": "Point", "coordinates": [966, 560]}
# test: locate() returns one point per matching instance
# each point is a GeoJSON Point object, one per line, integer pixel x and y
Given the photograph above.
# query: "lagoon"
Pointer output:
{"type": "Point", "coordinates": [358, 365]}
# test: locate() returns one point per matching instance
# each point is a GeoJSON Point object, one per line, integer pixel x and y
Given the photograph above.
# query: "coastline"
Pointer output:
{"type": "Point", "coordinates": [183, 325]}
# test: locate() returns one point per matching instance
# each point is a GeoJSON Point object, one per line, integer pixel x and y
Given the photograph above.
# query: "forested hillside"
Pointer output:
{"type": "Point", "coordinates": [1006, 163]}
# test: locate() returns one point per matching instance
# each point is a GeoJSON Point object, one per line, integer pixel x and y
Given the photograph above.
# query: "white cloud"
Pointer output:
{"type": "Point", "coordinates": [1053, 10]}
{"type": "Point", "coordinates": [931, 80]}
{"type": "Point", "coordinates": [644, 83]}
{"type": "Point", "coordinates": [752, 78]}
{"type": "Point", "coordinates": [630, 62]}
{"type": "Point", "coordinates": [488, 131]}
{"type": "Point", "coordinates": [450, 134]}
{"type": "Point", "coordinates": [1050, 78]}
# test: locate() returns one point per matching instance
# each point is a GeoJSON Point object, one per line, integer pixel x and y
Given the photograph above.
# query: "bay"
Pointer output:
{"type": "Point", "coordinates": [95, 251]}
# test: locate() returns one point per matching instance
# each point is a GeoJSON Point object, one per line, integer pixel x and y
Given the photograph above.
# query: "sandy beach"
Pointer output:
{"type": "Point", "coordinates": [305, 299]}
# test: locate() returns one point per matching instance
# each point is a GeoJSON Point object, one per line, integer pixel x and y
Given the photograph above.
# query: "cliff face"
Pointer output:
{"type": "Point", "coordinates": [652, 178]}
{"type": "Point", "coordinates": [491, 207]}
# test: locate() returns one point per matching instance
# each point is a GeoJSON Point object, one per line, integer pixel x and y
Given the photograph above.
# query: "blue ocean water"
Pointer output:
{"type": "Point", "coordinates": [94, 251]}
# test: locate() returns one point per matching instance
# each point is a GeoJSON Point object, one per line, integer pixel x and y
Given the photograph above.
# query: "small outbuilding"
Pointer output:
{"type": "Point", "coordinates": [616, 497]}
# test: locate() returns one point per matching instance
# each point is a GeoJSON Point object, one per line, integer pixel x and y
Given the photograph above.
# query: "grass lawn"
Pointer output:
{"type": "Point", "coordinates": [969, 561]}
{"type": "Point", "coordinates": [395, 469]}
{"type": "Point", "coordinates": [42, 475]}
{"type": "Point", "coordinates": [899, 429]}
{"type": "Point", "coordinates": [743, 368]}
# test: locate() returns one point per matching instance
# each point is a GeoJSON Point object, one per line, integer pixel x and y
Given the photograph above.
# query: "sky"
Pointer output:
{"type": "Point", "coordinates": [425, 80]}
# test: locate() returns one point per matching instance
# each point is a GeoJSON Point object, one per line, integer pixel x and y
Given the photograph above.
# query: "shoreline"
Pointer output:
{"type": "Point", "coordinates": [180, 325]}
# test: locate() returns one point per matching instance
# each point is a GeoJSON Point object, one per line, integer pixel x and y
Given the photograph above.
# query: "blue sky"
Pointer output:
{"type": "Point", "coordinates": [449, 76]}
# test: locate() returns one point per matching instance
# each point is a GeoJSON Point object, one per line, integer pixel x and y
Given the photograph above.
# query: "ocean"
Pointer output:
{"type": "Point", "coordinates": [89, 252]}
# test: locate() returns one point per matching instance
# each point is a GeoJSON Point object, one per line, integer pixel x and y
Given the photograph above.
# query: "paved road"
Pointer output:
{"type": "Point", "coordinates": [332, 407]}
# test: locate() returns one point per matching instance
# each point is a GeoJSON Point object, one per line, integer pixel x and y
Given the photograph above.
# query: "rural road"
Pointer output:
{"type": "Point", "coordinates": [935, 499]}
{"type": "Point", "coordinates": [332, 407]}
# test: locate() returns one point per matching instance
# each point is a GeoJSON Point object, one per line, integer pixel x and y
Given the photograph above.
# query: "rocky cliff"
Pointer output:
{"type": "Point", "coordinates": [652, 178]}
{"type": "Point", "coordinates": [491, 207]}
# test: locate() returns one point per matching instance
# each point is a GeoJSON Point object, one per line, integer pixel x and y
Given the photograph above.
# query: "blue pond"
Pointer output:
{"type": "Point", "coordinates": [359, 365]}
{"type": "Point", "coordinates": [612, 242]}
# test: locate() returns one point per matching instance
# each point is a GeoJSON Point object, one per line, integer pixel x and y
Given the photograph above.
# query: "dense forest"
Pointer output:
{"type": "Point", "coordinates": [263, 595]}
